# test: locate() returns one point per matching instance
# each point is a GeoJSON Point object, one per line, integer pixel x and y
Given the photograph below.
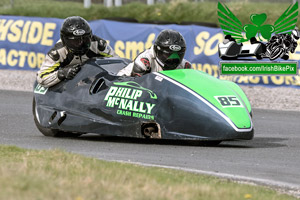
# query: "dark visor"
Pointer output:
{"type": "Point", "coordinates": [170, 57]}
{"type": "Point", "coordinates": [78, 42]}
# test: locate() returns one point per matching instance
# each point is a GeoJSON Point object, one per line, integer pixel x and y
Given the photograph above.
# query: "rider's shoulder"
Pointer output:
{"type": "Point", "coordinates": [185, 64]}
{"type": "Point", "coordinates": [56, 50]}
{"type": "Point", "coordinates": [100, 42]}
{"type": "Point", "coordinates": [146, 55]}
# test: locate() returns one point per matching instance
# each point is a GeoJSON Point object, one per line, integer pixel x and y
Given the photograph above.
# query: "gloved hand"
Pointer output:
{"type": "Point", "coordinates": [68, 72]}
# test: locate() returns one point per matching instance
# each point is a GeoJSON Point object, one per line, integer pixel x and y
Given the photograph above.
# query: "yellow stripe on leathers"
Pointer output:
{"type": "Point", "coordinates": [105, 54]}
{"type": "Point", "coordinates": [50, 69]}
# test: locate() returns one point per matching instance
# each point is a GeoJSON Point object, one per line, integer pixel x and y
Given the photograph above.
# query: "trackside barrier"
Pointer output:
{"type": "Point", "coordinates": [24, 41]}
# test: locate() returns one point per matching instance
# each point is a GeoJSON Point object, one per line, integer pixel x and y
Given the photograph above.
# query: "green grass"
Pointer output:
{"type": "Point", "coordinates": [176, 11]}
{"type": "Point", "coordinates": [55, 174]}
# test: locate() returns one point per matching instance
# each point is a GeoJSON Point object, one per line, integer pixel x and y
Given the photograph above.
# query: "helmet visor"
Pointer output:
{"type": "Point", "coordinates": [78, 44]}
{"type": "Point", "coordinates": [170, 59]}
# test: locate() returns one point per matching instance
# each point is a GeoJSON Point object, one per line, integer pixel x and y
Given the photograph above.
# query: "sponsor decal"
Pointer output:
{"type": "Point", "coordinates": [175, 47]}
{"type": "Point", "coordinates": [79, 32]}
{"type": "Point", "coordinates": [40, 89]}
{"type": "Point", "coordinates": [229, 101]}
{"type": "Point", "coordinates": [146, 62]}
{"type": "Point", "coordinates": [125, 97]}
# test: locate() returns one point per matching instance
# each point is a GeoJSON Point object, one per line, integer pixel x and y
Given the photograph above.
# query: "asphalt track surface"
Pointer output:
{"type": "Point", "coordinates": [271, 158]}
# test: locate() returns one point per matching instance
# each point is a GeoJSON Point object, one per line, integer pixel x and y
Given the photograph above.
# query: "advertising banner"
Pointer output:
{"type": "Point", "coordinates": [24, 41]}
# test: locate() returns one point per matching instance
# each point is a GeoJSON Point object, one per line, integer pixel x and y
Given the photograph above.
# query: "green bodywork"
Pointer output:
{"type": "Point", "coordinates": [210, 88]}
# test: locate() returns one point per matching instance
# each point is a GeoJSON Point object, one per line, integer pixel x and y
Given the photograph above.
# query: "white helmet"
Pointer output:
{"type": "Point", "coordinates": [295, 35]}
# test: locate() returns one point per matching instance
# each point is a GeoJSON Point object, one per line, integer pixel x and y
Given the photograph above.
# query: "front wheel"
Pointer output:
{"type": "Point", "coordinates": [48, 131]}
{"type": "Point", "coordinates": [276, 53]}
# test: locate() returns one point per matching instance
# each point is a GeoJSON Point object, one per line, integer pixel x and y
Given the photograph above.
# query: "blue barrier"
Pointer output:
{"type": "Point", "coordinates": [24, 41]}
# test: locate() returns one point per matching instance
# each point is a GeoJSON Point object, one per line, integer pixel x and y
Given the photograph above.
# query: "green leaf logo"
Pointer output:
{"type": "Point", "coordinates": [258, 19]}
{"type": "Point", "coordinates": [264, 30]}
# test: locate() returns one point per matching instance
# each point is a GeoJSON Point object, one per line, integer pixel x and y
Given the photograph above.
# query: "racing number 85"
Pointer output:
{"type": "Point", "coordinates": [229, 101]}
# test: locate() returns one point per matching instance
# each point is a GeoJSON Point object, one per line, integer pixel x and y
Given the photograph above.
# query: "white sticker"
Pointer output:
{"type": "Point", "coordinates": [159, 78]}
{"type": "Point", "coordinates": [175, 47]}
{"type": "Point", "coordinates": [79, 32]}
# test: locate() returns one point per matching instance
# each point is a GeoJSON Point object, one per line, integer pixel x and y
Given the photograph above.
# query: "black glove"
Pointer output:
{"type": "Point", "coordinates": [68, 72]}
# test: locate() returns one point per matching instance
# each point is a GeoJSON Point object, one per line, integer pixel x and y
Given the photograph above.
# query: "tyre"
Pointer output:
{"type": "Point", "coordinates": [258, 57]}
{"type": "Point", "coordinates": [285, 57]}
{"type": "Point", "coordinates": [276, 53]}
{"type": "Point", "coordinates": [48, 131]}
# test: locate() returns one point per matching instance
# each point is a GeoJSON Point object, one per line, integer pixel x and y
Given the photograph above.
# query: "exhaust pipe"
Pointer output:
{"type": "Point", "coordinates": [151, 130]}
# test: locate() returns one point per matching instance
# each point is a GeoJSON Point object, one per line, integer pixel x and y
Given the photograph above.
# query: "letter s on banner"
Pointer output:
{"type": "Point", "coordinates": [15, 34]}
{"type": "Point", "coordinates": [200, 41]}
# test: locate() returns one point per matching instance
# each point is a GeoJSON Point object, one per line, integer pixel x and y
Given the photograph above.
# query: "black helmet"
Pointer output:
{"type": "Point", "coordinates": [169, 48]}
{"type": "Point", "coordinates": [76, 34]}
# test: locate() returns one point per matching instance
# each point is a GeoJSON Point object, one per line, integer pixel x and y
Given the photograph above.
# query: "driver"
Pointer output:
{"type": "Point", "coordinates": [77, 44]}
{"type": "Point", "coordinates": [166, 54]}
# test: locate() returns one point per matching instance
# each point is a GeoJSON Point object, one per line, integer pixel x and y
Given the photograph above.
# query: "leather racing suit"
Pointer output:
{"type": "Point", "coordinates": [147, 62]}
{"type": "Point", "coordinates": [59, 57]}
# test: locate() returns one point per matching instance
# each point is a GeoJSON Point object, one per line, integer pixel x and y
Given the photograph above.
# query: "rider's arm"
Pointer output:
{"type": "Point", "coordinates": [134, 69]}
{"type": "Point", "coordinates": [141, 66]}
{"type": "Point", "coordinates": [56, 58]}
{"type": "Point", "coordinates": [126, 71]}
{"type": "Point", "coordinates": [47, 75]}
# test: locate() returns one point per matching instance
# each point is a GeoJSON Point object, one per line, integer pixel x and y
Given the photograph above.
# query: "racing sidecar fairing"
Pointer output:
{"type": "Point", "coordinates": [179, 104]}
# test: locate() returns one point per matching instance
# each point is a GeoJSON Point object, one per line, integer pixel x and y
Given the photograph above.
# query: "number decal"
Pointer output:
{"type": "Point", "coordinates": [224, 101]}
{"type": "Point", "coordinates": [235, 100]}
{"type": "Point", "coordinates": [229, 101]}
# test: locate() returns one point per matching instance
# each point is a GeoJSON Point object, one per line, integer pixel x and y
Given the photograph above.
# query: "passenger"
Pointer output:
{"type": "Point", "coordinates": [166, 54]}
{"type": "Point", "coordinates": [76, 45]}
